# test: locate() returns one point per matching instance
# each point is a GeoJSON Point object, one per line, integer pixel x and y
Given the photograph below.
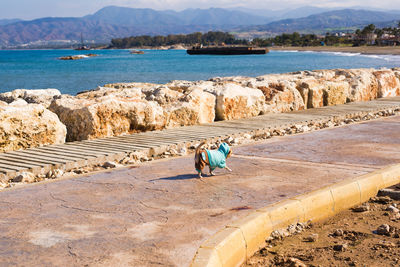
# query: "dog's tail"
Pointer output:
{"type": "Point", "coordinates": [199, 147]}
{"type": "Point", "coordinates": [197, 155]}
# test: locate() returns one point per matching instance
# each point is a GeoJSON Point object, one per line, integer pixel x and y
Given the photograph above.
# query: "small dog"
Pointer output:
{"type": "Point", "coordinates": [212, 158]}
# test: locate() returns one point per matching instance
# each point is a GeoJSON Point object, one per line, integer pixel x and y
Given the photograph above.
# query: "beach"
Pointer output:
{"type": "Point", "coordinates": [367, 50]}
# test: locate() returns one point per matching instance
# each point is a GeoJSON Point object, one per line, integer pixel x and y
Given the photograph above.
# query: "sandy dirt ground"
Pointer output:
{"type": "Point", "coordinates": [370, 50]}
{"type": "Point", "coordinates": [364, 236]}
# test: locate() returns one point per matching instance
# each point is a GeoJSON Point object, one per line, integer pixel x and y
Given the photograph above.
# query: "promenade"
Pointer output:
{"type": "Point", "coordinates": [159, 213]}
{"type": "Point", "coordinates": [80, 154]}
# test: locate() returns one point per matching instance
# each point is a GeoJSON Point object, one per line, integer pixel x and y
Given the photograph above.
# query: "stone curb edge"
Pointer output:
{"type": "Point", "coordinates": [239, 240]}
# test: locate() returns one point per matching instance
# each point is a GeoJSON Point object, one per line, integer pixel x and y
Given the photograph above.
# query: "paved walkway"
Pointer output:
{"type": "Point", "coordinates": [80, 154]}
{"type": "Point", "coordinates": [158, 214]}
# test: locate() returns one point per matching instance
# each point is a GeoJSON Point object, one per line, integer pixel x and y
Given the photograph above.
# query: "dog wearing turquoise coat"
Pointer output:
{"type": "Point", "coordinates": [212, 158]}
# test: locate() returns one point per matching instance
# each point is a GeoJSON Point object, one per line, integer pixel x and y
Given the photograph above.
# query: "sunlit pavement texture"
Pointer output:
{"type": "Point", "coordinates": [158, 214]}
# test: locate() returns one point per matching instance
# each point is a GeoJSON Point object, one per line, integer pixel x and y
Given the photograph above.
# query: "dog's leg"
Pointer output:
{"type": "Point", "coordinates": [211, 171]}
{"type": "Point", "coordinates": [226, 167]}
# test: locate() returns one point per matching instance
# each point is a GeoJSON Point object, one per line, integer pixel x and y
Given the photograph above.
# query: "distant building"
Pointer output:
{"type": "Point", "coordinates": [389, 40]}
{"type": "Point", "coordinates": [366, 39]}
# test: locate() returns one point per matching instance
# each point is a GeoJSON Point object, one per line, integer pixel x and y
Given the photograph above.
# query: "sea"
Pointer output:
{"type": "Point", "coordinates": [42, 69]}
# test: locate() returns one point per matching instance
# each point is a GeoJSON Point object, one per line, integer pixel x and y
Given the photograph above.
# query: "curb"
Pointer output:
{"type": "Point", "coordinates": [239, 240]}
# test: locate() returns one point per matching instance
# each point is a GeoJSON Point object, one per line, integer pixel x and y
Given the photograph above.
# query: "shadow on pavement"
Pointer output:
{"type": "Point", "coordinates": [178, 177]}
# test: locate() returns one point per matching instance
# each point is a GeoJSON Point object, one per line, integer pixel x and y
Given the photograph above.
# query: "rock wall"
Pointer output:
{"type": "Point", "coordinates": [112, 111]}
{"type": "Point", "coordinates": [123, 108]}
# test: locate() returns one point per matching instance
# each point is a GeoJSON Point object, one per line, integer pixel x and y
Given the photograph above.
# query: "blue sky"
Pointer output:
{"type": "Point", "coordinates": [31, 9]}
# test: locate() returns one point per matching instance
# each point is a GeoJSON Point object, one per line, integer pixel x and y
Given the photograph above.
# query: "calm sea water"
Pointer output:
{"type": "Point", "coordinates": [37, 69]}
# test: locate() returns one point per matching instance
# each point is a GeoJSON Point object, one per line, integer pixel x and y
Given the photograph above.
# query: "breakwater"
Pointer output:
{"type": "Point", "coordinates": [31, 118]}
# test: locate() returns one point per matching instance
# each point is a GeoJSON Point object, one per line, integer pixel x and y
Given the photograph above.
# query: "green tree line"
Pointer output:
{"type": "Point", "coordinates": [370, 34]}
{"type": "Point", "coordinates": [296, 39]}
{"type": "Point", "coordinates": [360, 37]}
{"type": "Point", "coordinates": [173, 39]}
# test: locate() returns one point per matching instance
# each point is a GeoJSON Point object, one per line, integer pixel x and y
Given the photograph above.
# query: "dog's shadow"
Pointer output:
{"type": "Point", "coordinates": [178, 177]}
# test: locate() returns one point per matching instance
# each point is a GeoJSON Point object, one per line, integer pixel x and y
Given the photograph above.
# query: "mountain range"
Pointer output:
{"type": "Point", "coordinates": [8, 21]}
{"type": "Point", "coordinates": [346, 19]}
{"type": "Point", "coordinates": [111, 22]}
{"type": "Point", "coordinates": [115, 22]}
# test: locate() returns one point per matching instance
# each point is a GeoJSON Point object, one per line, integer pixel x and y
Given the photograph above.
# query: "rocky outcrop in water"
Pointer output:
{"type": "Point", "coordinates": [123, 108]}
{"type": "Point", "coordinates": [76, 57]}
{"type": "Point", "coordinates": [24, 125]}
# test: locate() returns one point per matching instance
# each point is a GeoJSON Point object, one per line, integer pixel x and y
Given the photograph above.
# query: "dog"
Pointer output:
{"type": "Point", "coordinates": [212, 158]}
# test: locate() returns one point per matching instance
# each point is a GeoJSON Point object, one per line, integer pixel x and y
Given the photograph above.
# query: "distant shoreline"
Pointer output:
{"type": "Point", "coordinates": [367, 50]}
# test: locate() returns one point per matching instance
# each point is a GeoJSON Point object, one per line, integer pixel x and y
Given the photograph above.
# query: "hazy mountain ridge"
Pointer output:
{"type": "Point", "coordinates": [345, 18]}
{"type": "Point", "coordinates": [72, 28]}
{"type": "Point", "coordinates": [8, 21]}
{"type": "Point", "coordinates": [219, 16]}
{"type": "Point", "coordinates": [111, 22]}
{"type": "Point", "coordinates": [274, 15]}
{"type": "Point", "coordinates": [115, 22]}
{"type": "Point", "coordinates": [143, 16]}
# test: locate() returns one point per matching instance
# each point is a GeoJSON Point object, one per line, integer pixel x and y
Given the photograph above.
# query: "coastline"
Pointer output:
{"type": "Point", "coordinates": [366, 50]}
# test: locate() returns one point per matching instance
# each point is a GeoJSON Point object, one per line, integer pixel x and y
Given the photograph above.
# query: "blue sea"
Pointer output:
{"type": "Point", "coordinates": [40, 69]}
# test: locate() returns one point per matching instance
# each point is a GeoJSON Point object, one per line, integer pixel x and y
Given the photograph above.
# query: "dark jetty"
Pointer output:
{"type": "Point", "coordinates": [226, 50]}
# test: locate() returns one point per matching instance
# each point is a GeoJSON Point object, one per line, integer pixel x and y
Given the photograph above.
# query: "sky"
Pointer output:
{"type": "Point", "coordinates": [31, 9]}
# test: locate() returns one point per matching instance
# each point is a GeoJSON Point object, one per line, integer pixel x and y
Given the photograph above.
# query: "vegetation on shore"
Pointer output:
{"type": "Point", "coordinates": [174, 39]}
{"type": "Point", "coordinates": [369, 35]}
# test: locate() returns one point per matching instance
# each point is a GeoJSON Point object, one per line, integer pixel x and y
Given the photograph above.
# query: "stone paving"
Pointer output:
{"type": "Point", "coordinates": [159, 213]}
{"type": "Point", "coordinates": [96, 152]}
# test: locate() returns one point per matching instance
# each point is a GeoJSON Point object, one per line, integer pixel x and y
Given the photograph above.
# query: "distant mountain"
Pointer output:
{"type": "Point", "coordinates": [112, 22]}
{"type": "Point", "coordinates": [304, 11]}
{"type": "Point", "coordinates": [48, 29]}
{"type": "Point", "coordinates": [93, 31]}
{"type": "Point", "coordinates": [116, 22]}
{"type": "Point", "coordinates": [337, 19]}
{"type": "Point", "coordinates": [212, 16]}
{"type": "Point", "coordinates": [393, 11]}
{"type": "Point", "coordinates": [384, 24]}
{"type": "Point", "coordinates": [274, 15]}
{"type": "Point", "coordinates": [123, 16]}
{"type": "Point", "coordinates": [219, 16]}
{"type": "Point", "coordinates": [8, 21]}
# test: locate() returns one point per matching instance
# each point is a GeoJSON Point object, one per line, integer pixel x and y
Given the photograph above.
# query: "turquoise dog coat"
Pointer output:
{"type": "Point", "coordinates": [216, 158]}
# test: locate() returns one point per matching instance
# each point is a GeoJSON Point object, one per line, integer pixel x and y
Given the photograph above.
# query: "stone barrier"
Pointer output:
{"type": "Point", "coordinates": [126, 108]}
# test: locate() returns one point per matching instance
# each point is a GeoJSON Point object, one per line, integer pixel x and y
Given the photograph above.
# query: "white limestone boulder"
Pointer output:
{"type": "Point", "coordinates": [363, 84]}
{"type": "Point", "coordinates": [234, 101]}
{"type": "Point", "coordinates": [335, 92]}
{"type": "Point", "coordinates": [193, 107]}
{"type": "Point", "coordinates": [90, 118]}
{"type": "Point", "coordinates": [37, 96]}
{"type": "Point", "coordinates": [183, 106]}
{"type": "Point", "coordinates": [281, 93]}
{"type": "Point", "coordinates": [388, 83]}
{"type": "Point", "coordinates": [126, 91]}
{"type": "Point", "coordinates": [29, 125]}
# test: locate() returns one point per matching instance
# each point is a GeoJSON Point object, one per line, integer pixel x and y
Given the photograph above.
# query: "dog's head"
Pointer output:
{"type": "Point", "coordinates": [224, 148]}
